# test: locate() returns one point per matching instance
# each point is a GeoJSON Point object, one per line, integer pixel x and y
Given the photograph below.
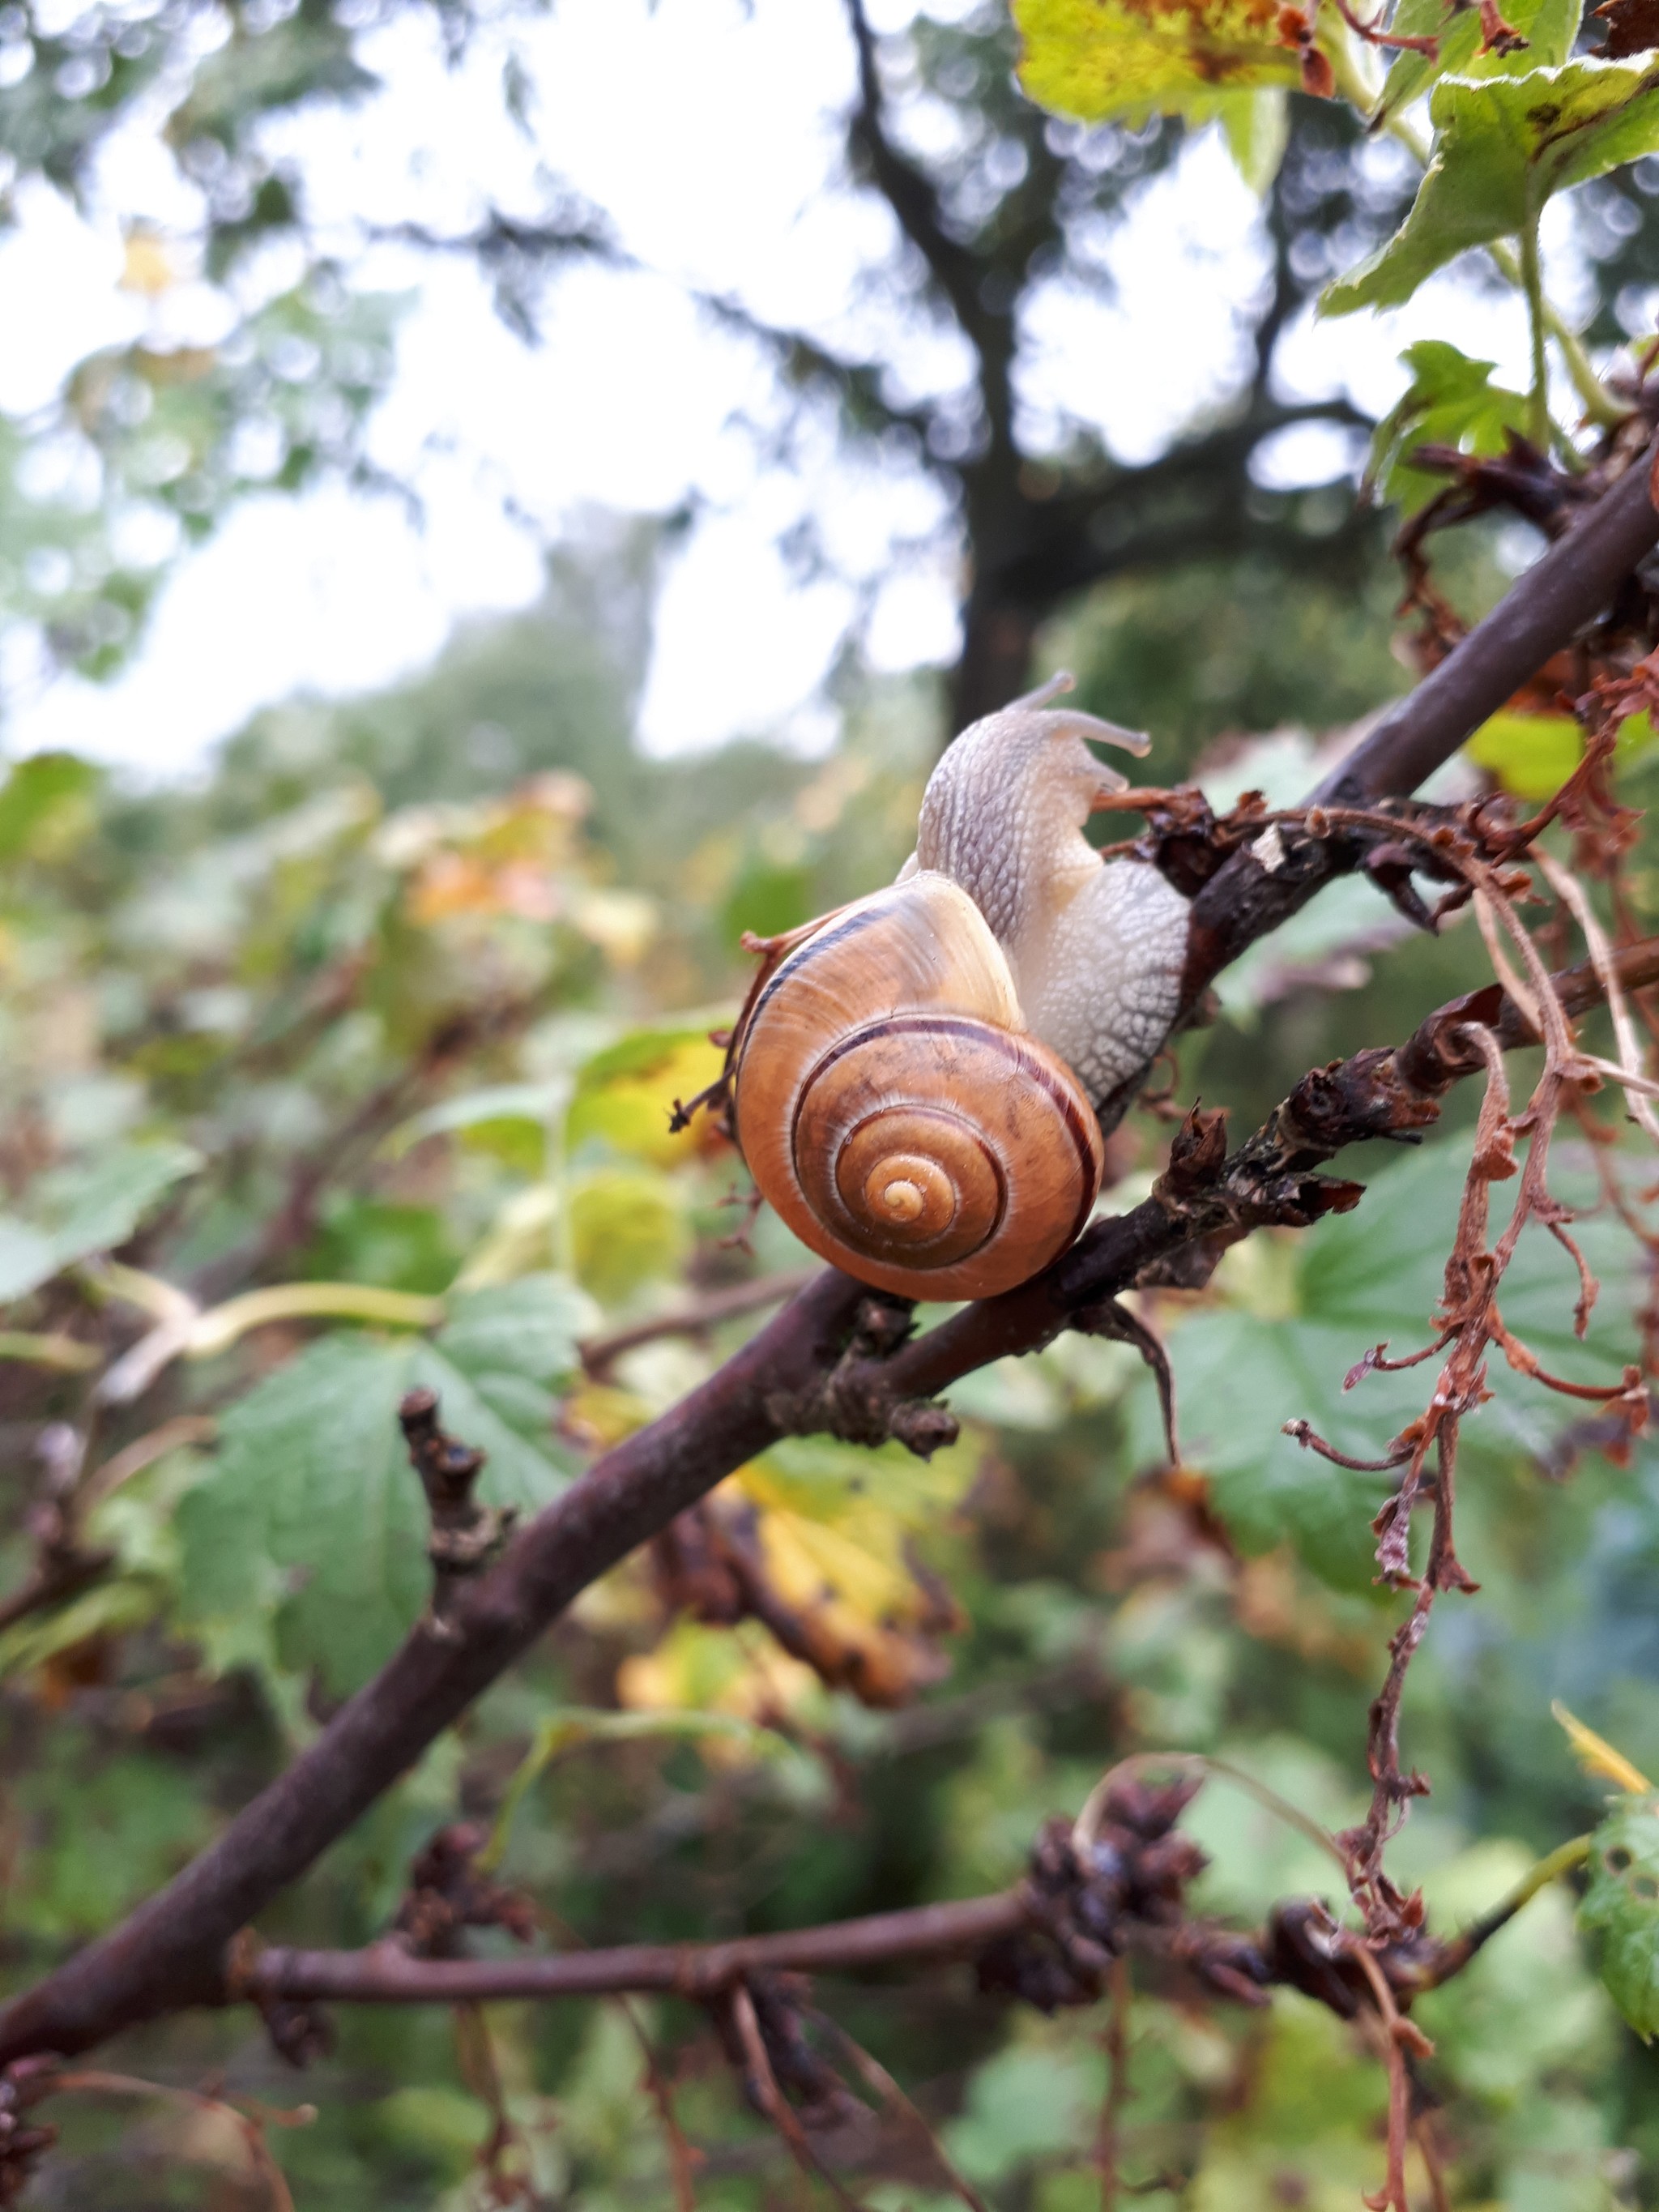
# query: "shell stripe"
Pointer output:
{"type": "Point", "coordinates": [964, 1025]}
{"type": "Point", "coordinates": [837, 932]}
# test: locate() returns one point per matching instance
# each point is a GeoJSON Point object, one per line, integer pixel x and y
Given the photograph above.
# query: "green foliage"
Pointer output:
{"type": "Point", "coordinates": [46, 806]}
{"type": "Point", "coordinates": [1547, 26]}
{"type": "Point", "coordinates": [1450, 401]}
{"type": "Point", "coordinates": [304, 1547]}
{"type": "Point", "coordinates": [171, 435]}
{"type": "Point", "coordinates": [1621, 1905]}
{"type": "Point", "coordinates": [1503, 146]}
{"type": "Point", "coordinates": [106, 1832]}
{"type": "Point", "coordinates": [72, 1212]}
{"type": "Point", "coordinates": [1315, 654]}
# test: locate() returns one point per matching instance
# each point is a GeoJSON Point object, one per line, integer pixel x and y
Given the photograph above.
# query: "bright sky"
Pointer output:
{"type": "Point", "coordinates": [708, 128]}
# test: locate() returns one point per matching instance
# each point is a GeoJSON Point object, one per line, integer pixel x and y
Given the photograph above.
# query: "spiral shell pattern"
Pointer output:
{"type": "Point", "coordinates": [895, 1113]}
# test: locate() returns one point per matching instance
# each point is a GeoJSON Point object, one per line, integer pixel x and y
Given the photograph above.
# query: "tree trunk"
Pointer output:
{"type": "Point", "coordinates": [995, 665]}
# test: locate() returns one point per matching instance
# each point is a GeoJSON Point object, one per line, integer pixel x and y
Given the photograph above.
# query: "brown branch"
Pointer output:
{"type": "Point", "coordinates": [386, 1973]}
{"type": "Point", "coordinates": [169, 1953]}
{"type": "Point", "coordinates": [1057, 1938]}
{"type": "Point", "coordinates": [1542, 612]}
{"type": "Point", "coordinates": [808, 1365]}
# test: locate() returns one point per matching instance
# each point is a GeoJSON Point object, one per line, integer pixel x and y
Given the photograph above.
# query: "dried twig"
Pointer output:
{"type": "Point", "coordinates": [64, 1565]}
{"type": "Point", "coordinates": [465, 1535]}
{"type": "Point", "coordinates": [763, 2084]}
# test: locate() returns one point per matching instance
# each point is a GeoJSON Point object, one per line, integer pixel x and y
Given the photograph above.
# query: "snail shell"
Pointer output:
{"type": "Point", "coordinates": [896, 1113]}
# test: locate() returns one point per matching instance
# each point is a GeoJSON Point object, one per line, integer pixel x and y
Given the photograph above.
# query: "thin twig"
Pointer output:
{"type": "Point", "coordinates": [1401, 2036]}
{"type": "Point", "coordinates": [1115, 2041]}
{"type": "Point", "coordinates": [771, 2098]}
{"type": "Point", "coordinates": [599, 1354]}
{"type": "Point", "coordinates": [879, 2079]}
{"type": "Point", "coordinates": [1572, 893]}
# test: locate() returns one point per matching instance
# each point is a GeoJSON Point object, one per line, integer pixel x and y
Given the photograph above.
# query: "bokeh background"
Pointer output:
{"type": "Point", "coordinates": [494, 504]}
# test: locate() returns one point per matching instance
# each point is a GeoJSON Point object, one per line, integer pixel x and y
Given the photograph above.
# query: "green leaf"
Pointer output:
{"type": "Point", "coordinates": [312, 1518]}
{"type": "Point", "coordinates": [1450, 401]}
{"type": "Point", "coordinates": [536, 1103]}
{"type": "Point", "coordinates": [1023, 2105]}
{"type": "Point", "coordinates": [1621, 1906]}
{"type": "Point", "coordinates": [496, 1365]}
{"type": "Point", "coordinates": [79, 1211]}
{"type": "Point", "coordinates": [1531, 755]}
{"type": "Point", "coordinates": [1096, 59]}
{"type": "Point", "coordinates": [824, 1479]}
{"type": "Point", "coordinates": [1549, 26]}
{"type": "Point", "coordinates": [1501, 146]}
{"type": "Point", "coordinates": [312, 1513]}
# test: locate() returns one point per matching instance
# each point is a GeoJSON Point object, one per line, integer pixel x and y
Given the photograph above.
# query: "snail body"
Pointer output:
{"type": "Point", "coordinates": [917, 1079]}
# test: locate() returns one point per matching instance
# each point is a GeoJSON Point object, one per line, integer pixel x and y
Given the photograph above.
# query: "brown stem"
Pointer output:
{"type": "Point", "coordinates": [386, 1974]}
{"type": "Point", "coordinates": [763, 2086]}
{"type": "Point", "coordinates": [600, 1354]}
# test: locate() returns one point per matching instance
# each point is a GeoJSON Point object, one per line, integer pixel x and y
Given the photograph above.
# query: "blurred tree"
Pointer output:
{"type": "Point", "coordinates": [994, 210]}
{"type": "Point", "coordinates": [1016, 203]}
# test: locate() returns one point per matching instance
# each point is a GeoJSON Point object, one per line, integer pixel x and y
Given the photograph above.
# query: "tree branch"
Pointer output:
{"type": "Point", "coordinates": [1542, 612]}
{"type": "Point", "coordinates": [955, 270]}
{"type": "Point", "coordinates": [815, 1360]}
{"type": "Point", "coordinates": [386, 1973]}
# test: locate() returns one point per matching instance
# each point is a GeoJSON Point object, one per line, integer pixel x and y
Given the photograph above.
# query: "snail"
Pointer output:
{"type": "Point", "coordinates": [917, 1077]}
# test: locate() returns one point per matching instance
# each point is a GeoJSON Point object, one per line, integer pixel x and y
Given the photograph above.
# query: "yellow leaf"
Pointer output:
{"type": "Point", "coordinates": [598, 1416]}
{"type": "Point", "coordinates": [1098, 58]}
{"type": "Point", "coordinates": [713, 1670]}
{"type": "Point", "coordinates": [1597, 1756]}
{"type": "Point", "coordinates": [625, 1095]}
{"type": "Point", "coordinates": [620, 923]}
{"type": "Point", "coordinates": [1532, 755]}
{"type": "Point", "coordinates": [810, 1564]}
